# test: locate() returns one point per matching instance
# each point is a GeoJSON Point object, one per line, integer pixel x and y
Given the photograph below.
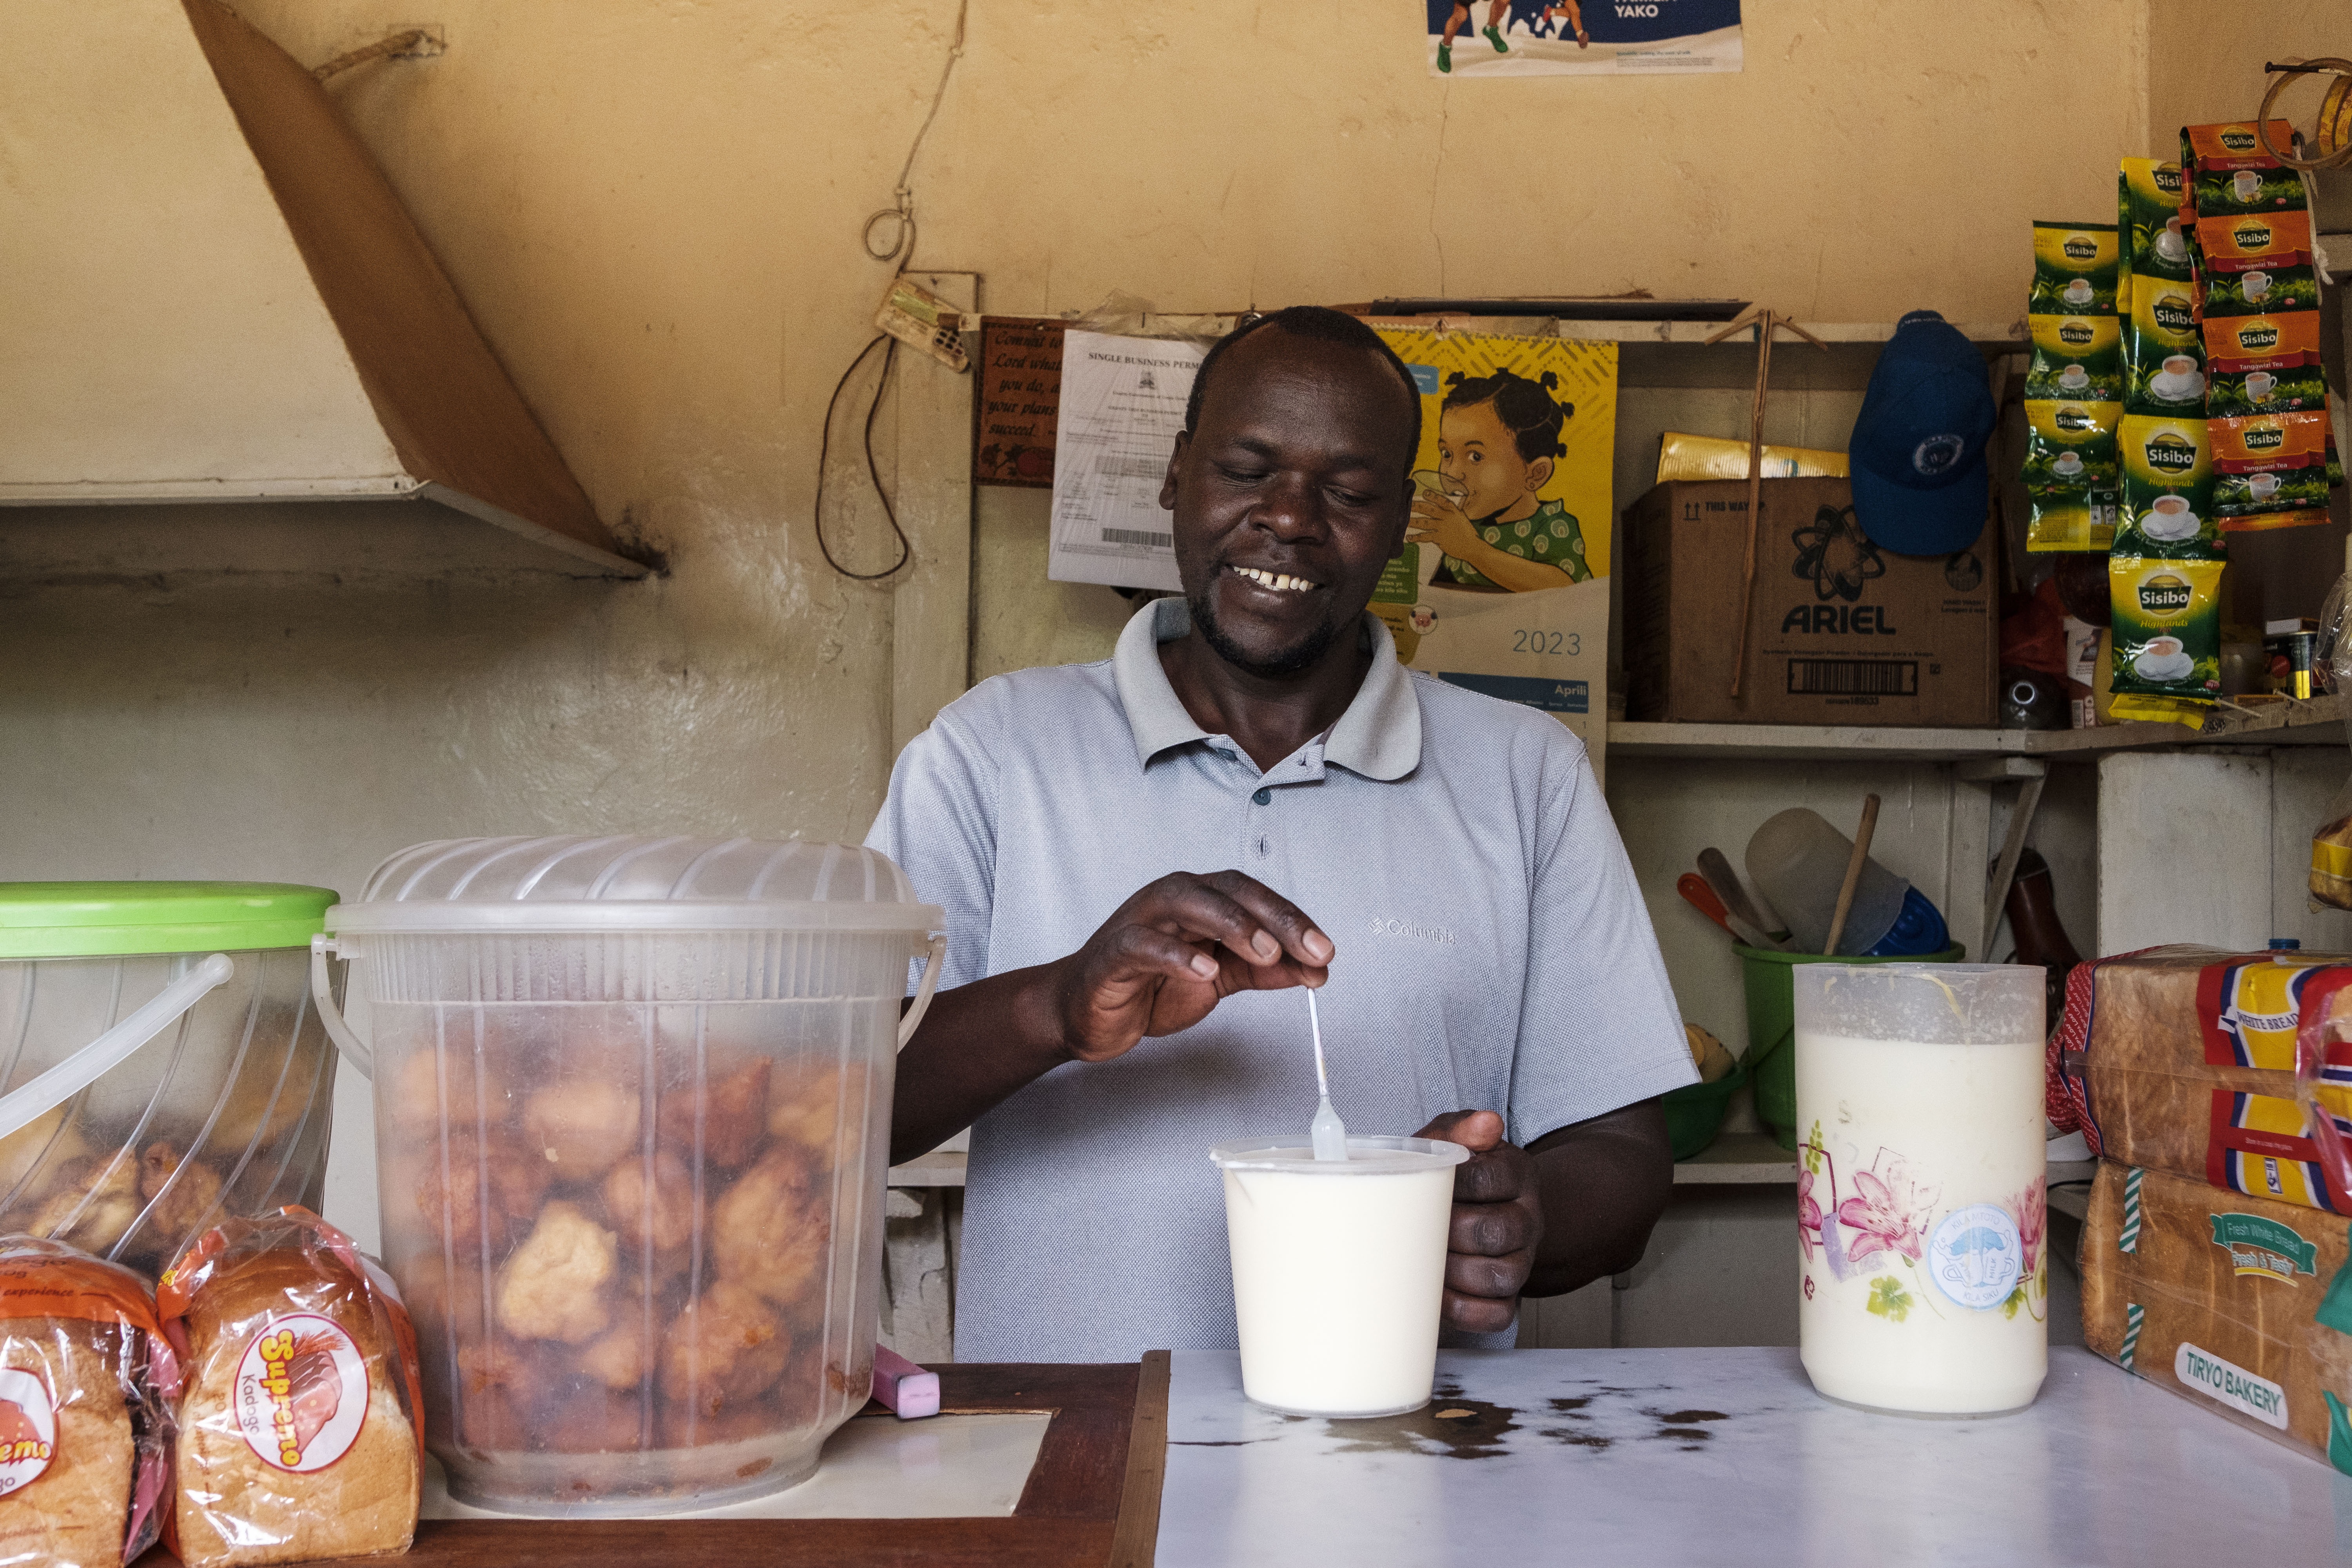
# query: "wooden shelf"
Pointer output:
{"type": "Point", "coordinates": [2290, 723]}
{"type": "Point", "coordinates": [1753, 1158]}
{"type": "Point", "coordinates": [1739, 1158]}
{"type": "Point", "coordinates": [940, 1168]}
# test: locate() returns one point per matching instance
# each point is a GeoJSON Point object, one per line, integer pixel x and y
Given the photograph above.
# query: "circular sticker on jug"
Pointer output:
{"type": "Point", "coordinates": [301, 1393]}
{"type": "Point", "coordinates": [1976, 1254]}
{"type": "Point", "coordinates": [28, 1429]}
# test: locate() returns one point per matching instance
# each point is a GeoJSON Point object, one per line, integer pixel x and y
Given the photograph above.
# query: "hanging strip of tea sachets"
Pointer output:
{"type": "Point", "coordinates": [2074, 384]}
{"type": "Point", "coordinates": [2258, 306]}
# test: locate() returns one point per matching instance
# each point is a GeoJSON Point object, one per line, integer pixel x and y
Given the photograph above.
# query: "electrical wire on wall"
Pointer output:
{"type": "Point", "coordinates": [901, 216]}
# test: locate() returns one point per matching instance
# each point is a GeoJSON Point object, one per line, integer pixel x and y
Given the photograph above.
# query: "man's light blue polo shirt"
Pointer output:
{"type": "Point", "coordinates": [1494, 953]}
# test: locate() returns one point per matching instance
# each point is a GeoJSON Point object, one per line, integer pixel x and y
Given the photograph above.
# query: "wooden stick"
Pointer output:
{"type": "Point", "coordinates": [1755, 493]}
{"type": "Point", "coordinates": [1853, 873]}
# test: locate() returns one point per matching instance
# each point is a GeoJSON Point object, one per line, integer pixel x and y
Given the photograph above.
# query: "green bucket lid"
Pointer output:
{"type": "Point", "coordinates": [83, 919]}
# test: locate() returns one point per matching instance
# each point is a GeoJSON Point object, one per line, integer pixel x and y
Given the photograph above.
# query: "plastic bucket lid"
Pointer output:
{"type": "Point", "coordinates": [87, 919]}
{"type": "Point", "coordinates": [466, 887]}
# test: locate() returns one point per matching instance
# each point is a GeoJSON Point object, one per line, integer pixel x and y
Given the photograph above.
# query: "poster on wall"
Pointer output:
{"type": "Point", "coordinates": [1582, 37]}
{"type": "Point", "coordinates": [1122, 406]}
{"type": "Point", "coordinates": [1016, 400]}
{"type": "Point", "coordinates": [1503, 586]}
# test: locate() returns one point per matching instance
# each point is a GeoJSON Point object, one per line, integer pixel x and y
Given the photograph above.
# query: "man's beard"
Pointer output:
{"type": "Point", "coordinates": [1289, 662]}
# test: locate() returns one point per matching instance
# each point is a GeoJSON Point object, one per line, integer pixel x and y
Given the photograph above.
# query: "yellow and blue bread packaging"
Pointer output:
{"type": "Point", "coordinates": [2184, 1059]}
{"type": "Point", "coordinates": [2240, 1304]}
{"type": "Point", "coordinates": [2214, 1250]}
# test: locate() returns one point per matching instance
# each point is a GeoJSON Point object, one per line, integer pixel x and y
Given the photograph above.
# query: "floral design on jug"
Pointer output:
{"type": "Point", "coordinates": [1982, 1256]}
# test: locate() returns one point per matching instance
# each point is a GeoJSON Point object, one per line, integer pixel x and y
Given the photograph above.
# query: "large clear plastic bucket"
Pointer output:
{"type": "Point", "coordinates": [632, 1105]}
{"type": "Point", "coordinates": [161, 1065]}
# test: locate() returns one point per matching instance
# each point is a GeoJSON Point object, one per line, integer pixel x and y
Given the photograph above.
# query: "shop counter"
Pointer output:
{"type": "Point", "coordinates": [1636, 1458]}
{"type": "Point", "coordinates": [1630, 1457]}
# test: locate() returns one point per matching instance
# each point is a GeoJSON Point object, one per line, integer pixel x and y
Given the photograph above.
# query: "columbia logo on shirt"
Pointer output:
{"type": "Point", "coordinates": [1412, 929]}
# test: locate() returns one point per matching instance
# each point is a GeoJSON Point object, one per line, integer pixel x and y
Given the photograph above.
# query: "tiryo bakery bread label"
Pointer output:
{"type": "Point", "coordinates": [301, 1393]}
{"type": "Point", "coordinates": [28, 1429]}
{"type": "Point", "coordinates": [2230, 1384]}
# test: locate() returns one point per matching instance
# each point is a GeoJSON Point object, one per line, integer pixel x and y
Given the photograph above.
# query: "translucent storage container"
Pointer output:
{"type": "Point", "coordinates": [633, 1108]}
{"type": "Point", "coordinates": [161, 1062]}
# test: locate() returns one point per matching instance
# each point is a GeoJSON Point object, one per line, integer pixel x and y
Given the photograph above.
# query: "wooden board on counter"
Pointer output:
{"type": "Point", "coordinates": [1092, 1500]}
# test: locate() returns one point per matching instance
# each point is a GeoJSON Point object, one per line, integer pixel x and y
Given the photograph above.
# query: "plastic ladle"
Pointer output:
{"type": "Point", "coordinates": [1327, 1132]}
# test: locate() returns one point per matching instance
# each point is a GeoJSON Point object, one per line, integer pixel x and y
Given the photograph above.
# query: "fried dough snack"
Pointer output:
{"type": "Point", "coordinates": [658, 1264]}
{"type": "Point", "coordinates": [553, 1288]}
{"type": "Point", "coordinates": [768, 1232]}
{"type": "Point", "coordinates": [725, 1349]}
{"type": "Point", "coordinates": [475, 1192]}
{"type": "Point", "coordinates": [93, 1203]}
{"type": "Point", "coordinates": [727, 1120]}
{"type": "Point", "coordinates": [451, 1088]}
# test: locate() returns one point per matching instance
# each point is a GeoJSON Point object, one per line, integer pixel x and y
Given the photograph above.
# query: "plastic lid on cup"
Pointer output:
{"type": "Point", "coordinates": [468, 885]}
{"type": "Point", "coordinates": [97, 919]}
{"type": "Point", "coordinates": [1369, 1154]}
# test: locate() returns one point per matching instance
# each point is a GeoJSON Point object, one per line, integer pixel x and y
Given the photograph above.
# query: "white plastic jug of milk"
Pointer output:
{"type": "Point", "coordinates": [1922, 1210]}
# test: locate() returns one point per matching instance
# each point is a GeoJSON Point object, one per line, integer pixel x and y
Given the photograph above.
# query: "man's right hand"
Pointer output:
{"type": "Point", "coordinates": [1173, 952]}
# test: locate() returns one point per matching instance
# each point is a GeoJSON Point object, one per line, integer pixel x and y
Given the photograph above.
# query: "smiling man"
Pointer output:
{"type": "Point", "coordinates": [1142, 861]}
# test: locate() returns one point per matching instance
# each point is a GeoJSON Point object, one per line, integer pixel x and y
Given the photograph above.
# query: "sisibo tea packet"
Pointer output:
{"type": "Point", "coordinates": [2167, 630]}
{"type": "Point", "coordinates": [2075, 270]}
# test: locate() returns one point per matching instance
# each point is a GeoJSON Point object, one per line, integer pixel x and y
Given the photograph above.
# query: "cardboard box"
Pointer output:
{"type": "Point", "coordinates": [1840, 632]}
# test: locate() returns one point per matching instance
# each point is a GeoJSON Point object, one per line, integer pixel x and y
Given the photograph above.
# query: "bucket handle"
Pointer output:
{"type": "Point", "coordinates": [86, 1066]}
{"type": "Point", "coordinates": [924, 991]}
{"type": "Point", "coordinates": [355, 1049]}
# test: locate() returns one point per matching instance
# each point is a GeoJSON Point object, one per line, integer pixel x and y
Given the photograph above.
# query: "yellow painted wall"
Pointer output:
{"type": "Point", "coordinates": [2205, 59]}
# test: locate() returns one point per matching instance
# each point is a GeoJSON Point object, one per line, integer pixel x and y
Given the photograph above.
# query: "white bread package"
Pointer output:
{"type": "Point", "coordinates": [298, 1429]}
{"type": "Point", "coordinates": [85, 1466]}
{"type": "Point", "coordinates": [2225, 1067]}
{"type": "Point", "coordinates": [2240, 1304]}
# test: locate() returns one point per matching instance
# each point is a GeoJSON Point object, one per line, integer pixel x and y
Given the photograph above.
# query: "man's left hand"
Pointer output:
{"type": "Point", "coordinates": [1497, 1221]}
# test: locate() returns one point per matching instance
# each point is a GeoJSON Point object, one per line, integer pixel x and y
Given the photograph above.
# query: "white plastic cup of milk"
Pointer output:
{"type": "Point", "coordinates": [1339, 1270]}
{"type": "Point", "coordinates": [1922, 1199]}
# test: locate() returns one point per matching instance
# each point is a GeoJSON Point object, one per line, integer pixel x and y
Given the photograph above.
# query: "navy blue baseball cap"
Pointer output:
{"type": "Point", "coordinates": [1918, 455]}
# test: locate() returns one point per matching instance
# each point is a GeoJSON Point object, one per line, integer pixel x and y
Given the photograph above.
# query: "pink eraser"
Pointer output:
{"type": "Point", "coordinates": [904, 1386]}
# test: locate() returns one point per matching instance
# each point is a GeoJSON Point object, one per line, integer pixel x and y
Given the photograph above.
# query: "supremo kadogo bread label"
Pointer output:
{"type": "Point", "coordinates": [301, 1393]}
{"type": "Point", "coordinates": [28, 1429]}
